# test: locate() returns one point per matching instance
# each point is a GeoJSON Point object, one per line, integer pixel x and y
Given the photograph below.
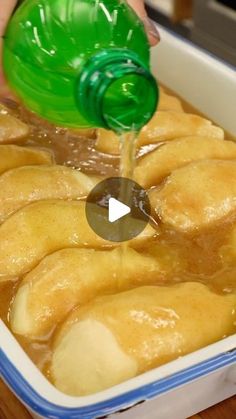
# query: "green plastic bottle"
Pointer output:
{"type": "Point", "coordinates": [81, 63]}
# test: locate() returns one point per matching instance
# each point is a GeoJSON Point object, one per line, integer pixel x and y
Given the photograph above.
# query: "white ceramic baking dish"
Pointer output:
{"type": "Point", "coordinates": [190, 384]}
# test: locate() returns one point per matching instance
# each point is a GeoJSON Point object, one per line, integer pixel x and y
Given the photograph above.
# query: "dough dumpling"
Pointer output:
{"type": "Point", "coordinates": [108, 142]}
{"type": "Point", "coordinates": [40, 229]}
{"type": "Point", "coordinates": [169, 103]}
{"type": "Point", "coordinates": [72, 277]}
{"type": "Point", "coordinates": [164, 126]}
{"type": "Point", "coordinates": [227, 251]}
{"type": "Point", "coordinates": [44, 227]}
{"type": "Point", "coordinates": [117, 337]}
{"type": "Point", "coordinates": [12, 156]}
{"type": "Point", "coordinates": [197, 195]}
{"type": "Point", "coordinates": [152, 168]}
{"type": "Point", "coordinates": [82, 132]}
{"type": "Point", "coordinates": [11, 128]}
{"type": "Point", "coordinates": [20, 186]}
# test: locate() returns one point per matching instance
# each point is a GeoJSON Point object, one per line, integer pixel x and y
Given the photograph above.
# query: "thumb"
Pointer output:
{"type": "Point", "coordinates": [6, 8]}
{"type": "Point", "coordinates": [152, 32]}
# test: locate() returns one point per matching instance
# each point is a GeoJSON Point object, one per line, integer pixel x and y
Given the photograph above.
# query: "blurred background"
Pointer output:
{"type": "Point", "coordinates": [210, 24]}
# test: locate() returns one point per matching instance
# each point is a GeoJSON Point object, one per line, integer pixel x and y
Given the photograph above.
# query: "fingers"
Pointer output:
{"type": "Point", "coordinates": [152, 32]}
{"type": "Point", "coordinates": [6, 9]}
{"type": "Point", "coordinates": [1, 75]}
{"type": "Point", "coordinates": [138, 6]}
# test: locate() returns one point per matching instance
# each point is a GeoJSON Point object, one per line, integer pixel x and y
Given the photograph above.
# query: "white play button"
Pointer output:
{"type": "Point", "coordinates": [117, 210]}
{"type": "Point", "coordinates": [114, 215]}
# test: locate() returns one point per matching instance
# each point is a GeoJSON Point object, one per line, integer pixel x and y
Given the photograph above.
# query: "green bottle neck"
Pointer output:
{"type": "Point", "coordinates": [115, 90]}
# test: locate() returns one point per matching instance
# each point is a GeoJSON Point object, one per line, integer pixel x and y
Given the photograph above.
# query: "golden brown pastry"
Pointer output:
{"type": "Point", "coordinates": [83, 133]}
{"type": "Point", "coordinates": [164, 126]}
{"type": "Point", "coordinates": [26, 184]}
{"type": "Point", "coordinates": [72, 277]}
{"type": "Point", "coordinates": [232, 243]}
{"type": "Point", "coordinates": [169, 103]}
{"type": "Point", "coordinates": [153, 167]}
{"type": "Point", "coordinates": [197, 195]}
{"type": "Point", "coordinates": [12, 156]}
{"type": "Point", "coordinates": [76, 292]}
{"type": "Point", "coordinates": [44, 227]}
{"type": "Point", "coordinates": [117, 337]}
{"type": "Point", "coordinates": [11, 128]}
{"type": "Point", "coordinates": [108, 142]}
{"type": "Point", "coordinates": [227, 251]}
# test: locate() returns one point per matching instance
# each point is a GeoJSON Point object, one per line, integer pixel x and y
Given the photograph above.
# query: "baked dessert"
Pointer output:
{"type": "Point", "coordinates": [92, 313]}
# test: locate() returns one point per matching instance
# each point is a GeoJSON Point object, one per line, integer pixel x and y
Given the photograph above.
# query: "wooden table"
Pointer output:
{"type": "Point", "coordinates": [11, 408]}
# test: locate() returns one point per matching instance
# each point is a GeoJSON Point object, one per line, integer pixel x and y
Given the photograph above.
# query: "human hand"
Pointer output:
{"type": "Point", "coordinates": [7, 7]}
{"type": "Point", "coordinates": [152, 32]}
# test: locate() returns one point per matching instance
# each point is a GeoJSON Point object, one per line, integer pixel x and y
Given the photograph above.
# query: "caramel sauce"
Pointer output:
{"type": "Point", "coordinates": [189, 257]}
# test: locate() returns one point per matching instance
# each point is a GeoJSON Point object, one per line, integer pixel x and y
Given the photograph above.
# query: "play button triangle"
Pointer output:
{"type": "Point", "coordinates": [117, 210]}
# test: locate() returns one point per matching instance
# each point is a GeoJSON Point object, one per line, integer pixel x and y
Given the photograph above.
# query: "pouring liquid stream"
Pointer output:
{"type": "Point", "coordinates": [128, 145]}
